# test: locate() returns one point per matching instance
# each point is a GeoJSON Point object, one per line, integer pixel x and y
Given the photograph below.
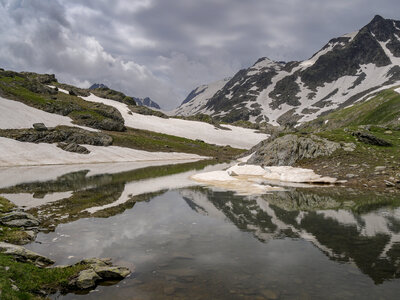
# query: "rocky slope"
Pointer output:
{"type": "Point", "coordinates": [99, 88]}
{"type": "Point", "coordinates": [346, 70]}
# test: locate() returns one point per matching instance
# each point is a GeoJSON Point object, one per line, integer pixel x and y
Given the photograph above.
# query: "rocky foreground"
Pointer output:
{"type": "Point", "coordinates": [19, 227]}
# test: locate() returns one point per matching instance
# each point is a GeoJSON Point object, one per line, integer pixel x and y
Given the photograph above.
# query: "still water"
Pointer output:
{"type": "Point", "coordinates": [187, 241]}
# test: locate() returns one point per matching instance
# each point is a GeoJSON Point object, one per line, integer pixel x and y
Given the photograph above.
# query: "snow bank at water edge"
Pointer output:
{"type": "Point", "coordinates": [16, 115]}
{"type": "Point", "coordinates": [250, 179]}
{"type": "Point", "coordinates": [237, 137]}
{"type": "Point", "coordinates": [15, 153]}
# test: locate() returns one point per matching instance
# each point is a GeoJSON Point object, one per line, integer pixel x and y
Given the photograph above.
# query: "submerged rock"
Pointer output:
{"type": "Point", "coordinates": [25, 255]}
{"type": "Point", "coordinates": [287, 150]}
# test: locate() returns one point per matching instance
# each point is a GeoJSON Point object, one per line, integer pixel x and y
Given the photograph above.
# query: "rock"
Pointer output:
{"type": "Point", "coordinates": [388, 132]}
{"type": "Point", "coordinates": [380, 168]}
{"type": "Point", "coordinates": [40, 127]}
{"type": "Point", "coordinates": [72, 93]}
{"type": "Point", "coordinates": [389, 184]}
{"type": "Point", "coordinates": [351, 175]}
{"type": "Point", "coordinates": [368, 138]}
{"type": "Point", "coordinates": [349, 147]}
{"type": "Point", "coordinates": [286, 150]}
{"type": "Point", "coordinates": [25, 255]}
{"type": "Point", "coordinates": [19, 219]}
{"type": "Point", "coordinates": [111, 273]}
{"type": "Point", "coordinates": [87, 279]}
{"type": "Point", "coordinates": [97, 261]}
{"type": "Point", "coordinates": [62, 134]}
{"type": "Point", "coordinates": [72, 147]}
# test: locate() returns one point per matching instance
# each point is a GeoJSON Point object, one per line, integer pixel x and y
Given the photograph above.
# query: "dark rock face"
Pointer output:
{"type": "Point", "coordinates": [72, 147]}
{"type": "Point", "coordinates": [370, 139]}
{"type": "Point", "coordinates": [287, 150]}
{"type": "Point", "coordinates": [98, 86]}
{"type": "Point", "coordinates": [147, 102]}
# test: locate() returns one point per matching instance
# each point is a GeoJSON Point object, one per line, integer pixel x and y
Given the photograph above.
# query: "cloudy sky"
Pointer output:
{"type": "Point", "coordinates": [165, 48]}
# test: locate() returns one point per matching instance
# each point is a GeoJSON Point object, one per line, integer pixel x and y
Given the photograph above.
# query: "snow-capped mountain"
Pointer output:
{"type": "Point", "coordinates": [147, 102]}
{"type": "Point", "coordinates": [196, 101]}
{"type": "Point", "coordinates": [346, 70]}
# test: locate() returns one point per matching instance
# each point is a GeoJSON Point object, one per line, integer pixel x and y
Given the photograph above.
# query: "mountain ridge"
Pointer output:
{"type": "Point", "coordinates": [344, 71]}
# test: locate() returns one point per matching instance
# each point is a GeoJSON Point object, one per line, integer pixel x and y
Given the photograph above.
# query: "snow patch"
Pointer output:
{"type": "Point", "coordinates": [15, 153]}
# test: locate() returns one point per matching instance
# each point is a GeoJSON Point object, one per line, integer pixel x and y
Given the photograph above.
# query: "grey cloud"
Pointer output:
{"type": "Point", "coordinates": [164, 48]}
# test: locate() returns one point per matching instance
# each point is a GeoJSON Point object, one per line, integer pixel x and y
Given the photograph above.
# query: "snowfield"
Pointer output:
{"type": "Point", "coordinates": [15, 153]}
{"type": "Point", "coordinates": [16, 115]}
{"type": "Point", "coordinates": [236, 137]}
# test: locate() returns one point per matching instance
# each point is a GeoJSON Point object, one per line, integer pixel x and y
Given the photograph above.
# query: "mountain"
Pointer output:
{"type": "Point", "coordinates": [147, 102]}
{"type": "Point", "coordinates": [98, 86]}
{"type": "Point", "coordinates": [197, 99]}
{"type": "Point", "coordinates": [347, 69]}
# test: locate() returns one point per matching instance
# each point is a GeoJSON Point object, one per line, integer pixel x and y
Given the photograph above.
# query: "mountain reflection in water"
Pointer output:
{"type": "Point", "coordinates": [192, 242]}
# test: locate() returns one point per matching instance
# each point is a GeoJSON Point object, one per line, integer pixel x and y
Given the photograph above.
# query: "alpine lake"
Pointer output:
{"type": "Point", "coordinates": [183, 240]}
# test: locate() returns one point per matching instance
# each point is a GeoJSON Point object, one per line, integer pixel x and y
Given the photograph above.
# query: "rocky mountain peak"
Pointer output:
{"type": "Point", "coordinates": [346, 70]}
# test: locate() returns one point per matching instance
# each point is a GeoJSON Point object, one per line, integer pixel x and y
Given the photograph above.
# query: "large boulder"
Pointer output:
{"type": "Point", "coordinates": [287, 150]}
{"type": "Point", "coordinates": [87, 279]}
{"type": "Point", "coordinates": [25, 255]}
{"type": "Point", "coordinates": [19, 219]}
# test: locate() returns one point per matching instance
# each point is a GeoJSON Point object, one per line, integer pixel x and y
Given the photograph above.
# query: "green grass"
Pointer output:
{"type": "Point", "coordinates": [383, 109]}
{"type": "Point", "coordinates": [82, 112]}
{"type": "Point", "coordinates": [30, 279]}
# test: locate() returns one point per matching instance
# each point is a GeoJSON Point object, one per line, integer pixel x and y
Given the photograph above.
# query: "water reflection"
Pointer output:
{"type": "Point", "coordinates": [192, 242]}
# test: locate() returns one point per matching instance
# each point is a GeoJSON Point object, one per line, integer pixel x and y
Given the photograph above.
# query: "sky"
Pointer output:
{"type": "Point", "coordinates": [163, 49]}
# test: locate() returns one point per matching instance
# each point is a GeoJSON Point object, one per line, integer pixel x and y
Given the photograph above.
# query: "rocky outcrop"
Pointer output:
{"type": "Point", "coordinates": [100, 269]}
{"type": "Point", "coordinates": [287, 150]}
{"type": "Point", "coordinates": [24, 255]}
{"type": "Point", "coordinates": [368, 138]}
{"type": "Point", "coordinates": [19, 219]}
{"type": "Point", "coordinates": [72, 147]}
{"type": "Point", "coordinates": [60, 134]}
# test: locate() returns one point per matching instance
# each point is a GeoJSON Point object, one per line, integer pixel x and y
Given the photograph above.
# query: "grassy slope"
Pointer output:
{"type": "Point", "coordinates": [18, 87]}
{"type": "Point", "coordinates": [383, 109]}
{"type": "Point", "coordinates": [382, 113]}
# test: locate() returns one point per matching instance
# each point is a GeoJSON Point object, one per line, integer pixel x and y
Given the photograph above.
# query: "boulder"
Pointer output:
{"type": "Point", "coordinates": [25, 255]}
{"type": "Point", "coordinates": [286, 150]}
{"type": "Point", "coordinates": [87, 279]}
{"type": "Point", "coordinates": [112, 273]}
{"type": "Point", "coordinates": [72, 147]}
{"type": "Point", "coordinates": [19, 219]}
{"type": "Point", "coordinates": [368, 138]}
{"type": "Point", "coordinates": [40, 127]}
